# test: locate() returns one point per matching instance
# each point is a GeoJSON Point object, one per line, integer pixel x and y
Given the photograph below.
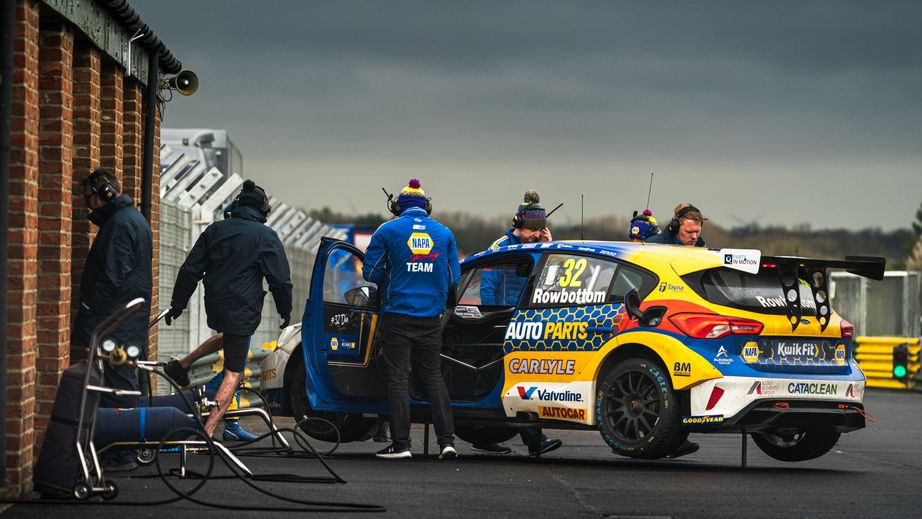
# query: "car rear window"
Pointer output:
{"type": "Point", "coordinates": [760, 292]}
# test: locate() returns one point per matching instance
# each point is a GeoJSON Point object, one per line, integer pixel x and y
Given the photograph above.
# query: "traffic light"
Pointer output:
{"type": "Point", "coordinates": [901, 362]}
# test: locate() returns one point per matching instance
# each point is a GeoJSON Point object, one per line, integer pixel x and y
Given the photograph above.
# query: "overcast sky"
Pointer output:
{"type": "Point", "coordinates": [786, 112]}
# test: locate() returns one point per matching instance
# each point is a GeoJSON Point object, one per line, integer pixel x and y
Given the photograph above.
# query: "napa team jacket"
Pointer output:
{"type": "Point", "coordinates": [414, 261]}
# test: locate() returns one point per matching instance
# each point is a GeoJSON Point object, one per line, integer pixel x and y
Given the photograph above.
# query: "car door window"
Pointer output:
{"type": "Point", "coordinates": [342, 274]}
{"type": "Point", "coordinates": [498, 284]}
{"type": "Point", "coordinates": [629, 278]}
{"type": "Point", "coordinates": [572, 280]}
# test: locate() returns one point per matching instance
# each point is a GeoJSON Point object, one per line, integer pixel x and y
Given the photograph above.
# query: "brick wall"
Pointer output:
{"type": "Point", "coordinates": [110, 128]}
{"type": "Point", "coordinates": [56, 48]}
{"type": "Point", "coordinates": [23, 251]}
{"type": "Point", "coordinates": [133, 140]}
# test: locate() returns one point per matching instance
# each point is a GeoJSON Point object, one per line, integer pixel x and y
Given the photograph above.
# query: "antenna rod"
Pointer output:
{"type": "Point", "coordinates": [582, 236]}
{"type": "Point", "coordinates": [650, 191]}
{"type": "Point", "coordinates": [554, 209]}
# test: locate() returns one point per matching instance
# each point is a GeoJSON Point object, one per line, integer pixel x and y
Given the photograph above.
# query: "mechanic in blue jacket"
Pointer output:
{"type": "Point", "coordinates": [683, 229]}
{"type": "Point", "coordinates": [233, 256]}
{"type": "Point", "coordinates": [414, 261]}
{"type": "Point", "coordinates": [502, 287]}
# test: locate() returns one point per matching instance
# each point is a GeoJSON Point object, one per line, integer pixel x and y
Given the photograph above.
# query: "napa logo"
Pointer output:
{"type": "Point", "coordinates": [420, 243]}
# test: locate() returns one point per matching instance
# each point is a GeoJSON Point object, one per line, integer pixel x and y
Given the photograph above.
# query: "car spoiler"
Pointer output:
{"type": "Point", "coordinates": [792, 269]}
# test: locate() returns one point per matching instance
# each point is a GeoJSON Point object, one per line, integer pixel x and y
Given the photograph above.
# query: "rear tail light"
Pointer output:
{"type": "Point", "coordinates": [848, 331]}
{"type": "Point", "coordinates": [713, 326]}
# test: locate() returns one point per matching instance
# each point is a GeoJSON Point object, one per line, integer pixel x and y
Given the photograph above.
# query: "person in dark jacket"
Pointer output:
{"type": "Point", "coordinates": [117, 270]}
{"type": "Point", "coordinates": [414, 261]}
{"type": "Point", "coordinates": [684, 229]}
{"type": "Point", "coordinates": [504, 287]}
{"type": "Point", "coordinates": [234, 256]}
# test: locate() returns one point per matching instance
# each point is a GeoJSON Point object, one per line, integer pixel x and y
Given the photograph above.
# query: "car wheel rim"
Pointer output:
{"type": "Point", "coordinates": [632, 406]}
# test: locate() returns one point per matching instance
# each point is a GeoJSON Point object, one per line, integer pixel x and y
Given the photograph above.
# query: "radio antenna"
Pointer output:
{"type": "Point", "coordinates": [582, 235]}
{"type": "Point", "coordinates": [554, 209]}
{"type": "Point", "coordinates": [650, 191]}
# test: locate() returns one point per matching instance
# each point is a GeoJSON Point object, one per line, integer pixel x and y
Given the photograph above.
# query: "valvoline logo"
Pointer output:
{"type": "Point", "coordinates": [547, 395]}
{"type": "Point", "coordinates": [526, 394]}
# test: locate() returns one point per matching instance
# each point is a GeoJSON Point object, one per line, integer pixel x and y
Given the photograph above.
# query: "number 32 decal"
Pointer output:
{"type": "Point", "coordinates": [573, 269]}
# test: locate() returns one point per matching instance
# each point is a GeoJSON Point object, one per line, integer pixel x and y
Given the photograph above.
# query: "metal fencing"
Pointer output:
{"type": "Point", "coordinates": [191, 199]}
{"type": "Point", "coordinates": [891, 307]}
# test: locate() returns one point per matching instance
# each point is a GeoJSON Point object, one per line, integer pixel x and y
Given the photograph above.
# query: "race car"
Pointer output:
{"type": "Point", "coordinates": [644, 343]}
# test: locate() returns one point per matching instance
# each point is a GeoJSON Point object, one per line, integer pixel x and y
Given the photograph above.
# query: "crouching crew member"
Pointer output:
{"type": "Point", "coordinates": [233, 256]}
{"type": "Point", "coordinates": [502, 287]}
{"type": "Point", "coordinates": [414, 261]}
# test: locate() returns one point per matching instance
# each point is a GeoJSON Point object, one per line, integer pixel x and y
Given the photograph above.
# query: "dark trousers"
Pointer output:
{"type": "Point", "coordinates": [406, 339]}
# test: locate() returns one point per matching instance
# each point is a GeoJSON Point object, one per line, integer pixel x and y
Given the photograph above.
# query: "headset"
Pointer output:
{"type": "Point", "coordinates": [102, 187]}
{"type": "Point", "coordinates": [394, 207]}
{"type": "Point", "coordinates": [674, 224]}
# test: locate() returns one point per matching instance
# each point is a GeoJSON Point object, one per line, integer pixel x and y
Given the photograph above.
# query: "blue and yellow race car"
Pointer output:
{"type": "Point", "coordinates": [645, 343]}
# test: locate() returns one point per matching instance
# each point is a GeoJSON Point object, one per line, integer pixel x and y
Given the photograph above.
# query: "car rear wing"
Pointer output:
{"type": "Point", "coordinates": [792, 269]}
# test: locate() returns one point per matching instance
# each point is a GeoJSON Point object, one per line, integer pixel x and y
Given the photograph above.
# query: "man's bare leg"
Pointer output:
{"type": "Point", "coordinates": [212, 344]}
{"type": "Point", "coordinates": [223, 399]}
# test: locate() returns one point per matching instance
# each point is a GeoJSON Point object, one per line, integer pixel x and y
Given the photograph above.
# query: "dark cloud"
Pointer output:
{"type": "Point", "coordinates": [736, 105]}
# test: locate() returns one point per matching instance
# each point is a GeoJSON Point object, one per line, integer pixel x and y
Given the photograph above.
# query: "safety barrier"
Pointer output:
{"type": "Point", "coordinates": [875, 356]}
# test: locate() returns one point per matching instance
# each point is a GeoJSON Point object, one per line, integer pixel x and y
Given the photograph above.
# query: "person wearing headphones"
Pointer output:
{"type": "Point", "coordinates": [643, 226]}
{"type": "Point", "coordinates": [233, 256]}
{"type": "Point", "coordinates": [414, 261]}
{"type": "Point", "coordinates": [684, 229]}
{"type": "Point", "coordinates": [501, 287]}
{"type": "Point", "coordinates": [178, 370]}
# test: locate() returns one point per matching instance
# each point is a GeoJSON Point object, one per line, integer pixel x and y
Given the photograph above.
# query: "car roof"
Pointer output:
{"type": "Point", "coordinates": [653, 256]}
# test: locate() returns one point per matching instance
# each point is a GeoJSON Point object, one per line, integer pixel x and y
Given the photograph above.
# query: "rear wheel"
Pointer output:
{"type": "Point", "coordinates": [481, 435]}
{"type": "Point", "coordinates": [351, 426]}
{"type": "Point", "coordinates": [638, 411]}
{"type": "Point", "coordinates": [797, 446]}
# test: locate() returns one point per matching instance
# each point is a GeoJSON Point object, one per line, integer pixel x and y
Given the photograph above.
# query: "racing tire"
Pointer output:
{"type": "Point", "coordinates": [638, 412]}
{"type": "Point", "coordinates": [480, 435]}
{"type": "Point", "coordinates": [352, 426]}
{"type": "Point", "coordinates": [802, 446]}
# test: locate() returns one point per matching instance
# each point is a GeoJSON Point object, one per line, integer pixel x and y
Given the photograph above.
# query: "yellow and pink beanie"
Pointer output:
{"type": "Point", "coordinates": [412, 195]}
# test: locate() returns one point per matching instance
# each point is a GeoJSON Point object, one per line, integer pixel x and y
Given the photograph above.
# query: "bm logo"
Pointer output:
{"type": "Point", "coordinates": [682, 369]}
{"type": "Point", "coordinates": [420, 243]}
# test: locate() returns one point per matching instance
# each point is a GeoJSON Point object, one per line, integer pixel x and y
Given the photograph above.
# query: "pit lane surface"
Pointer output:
{"type": "Point", "coordinates": [875, 472]}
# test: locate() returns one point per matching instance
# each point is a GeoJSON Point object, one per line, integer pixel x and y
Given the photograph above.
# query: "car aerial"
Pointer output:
{"type": "Point", "coordinates": [644, 343]}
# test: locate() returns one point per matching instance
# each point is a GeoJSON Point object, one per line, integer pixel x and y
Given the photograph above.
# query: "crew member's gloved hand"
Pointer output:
{"type": "Point", "coordinates": [171, 315]}
{"type": "Point", "coordinates": [285, 320]}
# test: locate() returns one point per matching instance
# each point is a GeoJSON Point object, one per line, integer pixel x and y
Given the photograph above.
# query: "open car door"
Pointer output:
{"type": "Point", "coordinates": [338, 334]}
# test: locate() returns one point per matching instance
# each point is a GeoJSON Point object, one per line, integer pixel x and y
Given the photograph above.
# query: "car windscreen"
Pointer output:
{"type": "Point", "coordinates": [760, 292]}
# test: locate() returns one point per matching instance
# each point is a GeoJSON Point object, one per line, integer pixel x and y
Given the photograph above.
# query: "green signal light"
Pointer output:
{"type": "Point", "coordinates": [899, 371]}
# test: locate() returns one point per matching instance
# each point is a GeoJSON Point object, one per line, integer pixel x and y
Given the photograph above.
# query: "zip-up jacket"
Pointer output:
{"type": "Point", "coordinates": [414, 261]}
{"type": "Point", "coordinates": [233, 256]}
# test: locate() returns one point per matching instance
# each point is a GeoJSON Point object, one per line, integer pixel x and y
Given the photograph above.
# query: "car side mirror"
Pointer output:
{"type": "Point", "coordinates": [652, 316]}
{"type": "Point", "coordinates": [362, 296]}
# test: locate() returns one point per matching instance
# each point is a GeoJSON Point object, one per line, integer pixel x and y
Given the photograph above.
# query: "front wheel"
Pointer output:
{"type": "Point", "coordinates": [797, 446]}
{"type": "Point", "coordinates": [350, 427]}
{"type": "Point", "coordinates": [638, 411]}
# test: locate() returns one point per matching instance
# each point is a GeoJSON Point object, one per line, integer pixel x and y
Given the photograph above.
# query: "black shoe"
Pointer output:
{"type": "Point", "coordinates": [175, 371]}
{"type": "Point", "coordinates": [544, 447]}
{"type": "Point", "coordinates": [122, 462]}
{"type": "Point", "coordinates": [393, 453]}
{"type": "Point", "coordinates": [687, 447]}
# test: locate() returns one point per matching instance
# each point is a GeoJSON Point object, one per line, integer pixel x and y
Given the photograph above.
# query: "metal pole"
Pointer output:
{"type": "Point", "coordinates": [6, 107]}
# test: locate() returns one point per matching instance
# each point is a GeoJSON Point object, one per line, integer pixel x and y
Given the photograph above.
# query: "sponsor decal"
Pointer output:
{"type": "Point", "coordinates": [850, 391]}
{"type": "Point", "coordinates": [751, 352]}
{"type": "Point", "coordinates": [565, 296]}
{"type": "Point", "coordinates": [546, 395]}
{"type": "Point", "coordinates": [418, 227]}
{"type": "Point", "coordinates": [664, 286]}
{"type": "Point", "coordinates": [468, 312]}
{"type": "Point", "coordinates": [812, 388]}
{"type": "Point", "coordinates": [545, 245]}
{"type": "Point", "coordinates": [804, 349]}
{"type": "Point", "coordinates": [553, 331]}
{"type": "Point", "coordinates": [564, 246]}
{"type": "Point", "coordinates": [746, 260]}
{"type": "Point", "coordinates": [334, 344]}
{"type": "Point", "coordinates": [420, 267]}
{"type": "Point", "coordinates": [347, 345]}
{"type": "Point", "coordinates": [271, 374]}
{"type": "Point", "coordinates": [765, 388]}
{"type": "Point", "coordinates": [607, 253]}
{"type": "Point", "coordinates": [722, 357]}
{"type": "Point", "coordinates": [542, 366]}
{"type": "Point", "coordinates": [585, 249]}
{"type": "Point", "coordinates": [420, 243]}
{"type": "Point", "coordinates": [562, 413]}
{"type": "Point", "coordinates": [703, 420]}
{"type": "Point", "coordinates": [779, 302]}
{"type": "Point", "coordinates": [340, 320]}
{"type": "Point", "coordinates": [529, 245]}
{"type": "Point", "coordinates": [840, 354]}
{"type": "Point", "coordinates": [682, 369]}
